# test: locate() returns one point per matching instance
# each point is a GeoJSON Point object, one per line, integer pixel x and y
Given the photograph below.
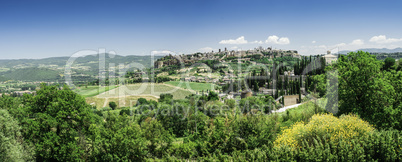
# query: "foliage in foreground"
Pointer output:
{"type": "Point", "coordinates": [63, 127]}
{"type": "Point", "coordinates": [12, 144]}
{"type": "Point", "coordinates": [324, 126]}
{"type": "Point", "coordinates": [365, 90]}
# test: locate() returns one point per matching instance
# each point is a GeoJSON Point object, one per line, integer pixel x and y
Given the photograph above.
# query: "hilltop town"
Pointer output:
{"type": "Point", "coordinates": [220, 55]}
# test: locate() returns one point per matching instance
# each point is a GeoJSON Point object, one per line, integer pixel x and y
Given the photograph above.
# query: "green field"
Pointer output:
{"type": "Point", "coordinates": [193, 85]}
{"type": "Point", "coordinates": [91, 91]}
{"type": "Point", "coordinates": [127, 95]}
{"type": "Point", "coordinates": [145, 89]}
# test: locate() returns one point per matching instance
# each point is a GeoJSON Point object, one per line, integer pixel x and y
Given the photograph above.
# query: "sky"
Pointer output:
{"type": "Point", "coordinates": [39, 29]}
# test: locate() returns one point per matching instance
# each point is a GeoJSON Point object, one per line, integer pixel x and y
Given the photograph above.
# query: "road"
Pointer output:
{"type": "Point", "coordinates": [287, 107]}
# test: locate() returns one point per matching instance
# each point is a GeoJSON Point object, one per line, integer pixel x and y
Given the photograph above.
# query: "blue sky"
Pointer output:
{"type": "Point", "coordinates": [39, 29]}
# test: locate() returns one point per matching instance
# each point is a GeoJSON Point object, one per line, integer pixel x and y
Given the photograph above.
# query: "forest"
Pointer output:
{"type": "Point", "coordinates": [357, 119]}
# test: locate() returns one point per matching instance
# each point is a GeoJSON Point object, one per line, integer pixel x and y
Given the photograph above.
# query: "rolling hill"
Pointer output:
{"type": "Point", "coordinates": [375, 50]}
{"type": "Point", "coordinates": [33, 74]}
{"type": "Point", "coordinates": [51, 69]}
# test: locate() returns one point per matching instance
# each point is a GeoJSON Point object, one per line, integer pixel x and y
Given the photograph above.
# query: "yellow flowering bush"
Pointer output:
{"type": "Point", "coordinates": [324, 127]}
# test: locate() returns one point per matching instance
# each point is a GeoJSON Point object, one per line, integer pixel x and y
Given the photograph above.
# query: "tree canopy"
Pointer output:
{"type": "Point", "coordinates": [58, 123]}
{"type": "Point", "coordinates": [367, 91]}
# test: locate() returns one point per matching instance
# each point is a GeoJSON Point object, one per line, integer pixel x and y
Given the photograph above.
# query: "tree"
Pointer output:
{"type": "Point", "coordinates": [365, 91]}
{"type": "Point", "coordinates": [212, 96]}
{"type": "Point", "coordinates": [230, 102]}
{"type": "Point", "coordinates": [58, 124]}
{"type": "Point", "coordinates": [399, 68]}
{"type": "Point", "coordinates": [142, 101]}
{"type": "Point", "coordinates": [117, 139]}
{"type": "Point", "coordinates": [12, 144]}
{"type": "Point", "coordinates": [159, 138]}
{"type": "Point", "coordinates": [249, 103]}
{"type": "Point", "coordinates": [167, 98]}
{"type": "Point", "coordinates": [113, 105]}
{"type": "Point", "coordinates": [389, 62]}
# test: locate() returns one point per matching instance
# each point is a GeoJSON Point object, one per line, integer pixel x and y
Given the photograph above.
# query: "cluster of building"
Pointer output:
{"type": "Point", "coordinates": [18, 93]}
{"type": "Point", "coordinates": [200, 79]}
{"type": "Point", "coordinates": [222, 54]}
{"type": "Point", "coordinates": [329, 58]}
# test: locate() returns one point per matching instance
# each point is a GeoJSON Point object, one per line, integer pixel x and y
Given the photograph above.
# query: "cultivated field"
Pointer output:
{"type": "Point", "coordinates": [149, 89]}
{"type": "Point", "coordinates": [127, 95]}
{"type": "Point", "coordinates": [91, 91]}
{"type": "Point", "coordinates": [193, 85]}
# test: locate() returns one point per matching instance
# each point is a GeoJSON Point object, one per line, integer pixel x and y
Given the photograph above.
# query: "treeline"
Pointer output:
{"type": "Point", "coordinates": [382, 56]}
{"type": "Point", "coordinates": [116, 81]}
{"type": "Point", "coordinates": [309, 65]}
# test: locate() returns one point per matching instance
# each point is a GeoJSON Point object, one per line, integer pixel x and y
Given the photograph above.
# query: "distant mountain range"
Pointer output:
{"type": "Point", "coordinates": [374, 50]}
{"type": "Point", "coordinates": [52, 69]}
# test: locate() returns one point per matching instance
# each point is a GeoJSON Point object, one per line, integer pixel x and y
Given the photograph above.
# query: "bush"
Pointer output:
{"type": "Point", "coordinates": [112, 105]}
{"type": "Point", "coordinates": [106, 109]}
{"type": "Point", "coordinates": [141, 101]}
{"type": "Point", "coordinates": [212, 96]}
{"type": "Point", "coordinates": [231, 103]}
{"type": "Point", "coordinates": [249, 103]}
{"type": "Point", "coordinates": [165, 97]}
{"type": "Point", "coordinates": [185, 150]}
{"type": "Point", "coordinates": [376, 146]}
{"type": "Point", "coordinates": [159, 139]}
{"type": "Point", "coordinates": [127, 111]}
{"type": "Point", "coordinates": [97, 112]}
{"type": "Point", "coordinates": [324, 126]}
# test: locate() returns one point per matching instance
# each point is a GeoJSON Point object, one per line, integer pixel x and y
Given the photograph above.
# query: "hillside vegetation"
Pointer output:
{"type": "Point", "coordinates": [87, 66]}
{"type": "Point", "coordinates": [33, 74]}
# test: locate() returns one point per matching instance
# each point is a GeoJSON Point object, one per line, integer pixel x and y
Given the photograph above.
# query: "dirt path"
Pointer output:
{"type": "Point", "coordinates": [192, 91]}
{"type": "Point", "coordinates": [105, 104]}
{"type": "Point", "coordinates": [287, 107]}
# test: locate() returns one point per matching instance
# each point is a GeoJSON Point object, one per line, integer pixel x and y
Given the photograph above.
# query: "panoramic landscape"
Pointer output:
{"type": "Point", "coordinates": [200, 81]}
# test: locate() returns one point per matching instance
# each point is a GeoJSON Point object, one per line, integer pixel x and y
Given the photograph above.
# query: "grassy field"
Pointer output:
{"type": "Point", "coordinates": [308, 106]}
{"type": "Point", "coordinates": [91, 91]}
{"type": "Point", "coordinates": [148, 89]}
{"type": "Point", "coordinates": [193, 85]}
{"type": "Point", "coordinates": [127, 95]}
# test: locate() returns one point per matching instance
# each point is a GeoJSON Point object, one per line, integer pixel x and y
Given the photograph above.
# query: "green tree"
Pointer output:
{"type": "Point", "coordinates": [212, 96]}
{"type": "Point", "coordinates": [12, 144]}
{"type": "Point", "coordinates": [159, 139]}
{"type": "Point", "coordinates": [113, 105]}
{"type": "Point", "coordinates": [249, 103]}
{"type": "Point", "coordinates": [117, 139]}
{"type": "Point", "coordinates": [230, 102]}
{"type": "Point", "coordinates": [365, 91]}
{"type": "Point", "coordinates": [59, 122]}
{"type": "Point", "coordinates": [389, 62]}
{"type": "Point", "coordinates": [319, 82]}
{"type": "Point", "coordinates": [167, 98]}
{"type": "Point", "coordinates": [141, 101]}
{"type": "Point", "coordinates": [399, 68]}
